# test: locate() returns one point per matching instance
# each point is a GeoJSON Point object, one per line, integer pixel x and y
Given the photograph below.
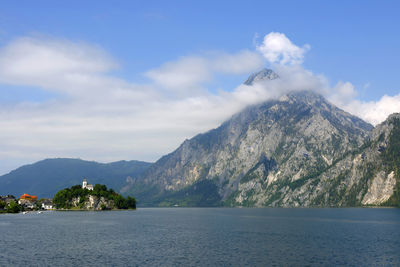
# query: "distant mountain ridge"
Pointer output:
{"type": "Point", "coordinates": [46, 177]}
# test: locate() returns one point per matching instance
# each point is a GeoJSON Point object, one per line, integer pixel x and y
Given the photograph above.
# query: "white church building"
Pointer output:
{"type": "Point", "coordinates": [86, 185]}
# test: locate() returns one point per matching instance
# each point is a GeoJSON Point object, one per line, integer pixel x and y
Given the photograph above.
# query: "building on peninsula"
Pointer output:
{"type": "Point", "coordinates": [86, 185]}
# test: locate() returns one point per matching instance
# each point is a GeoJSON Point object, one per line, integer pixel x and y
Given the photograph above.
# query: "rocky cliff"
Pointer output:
{"type": "Point", "coordinates": [299, 150]}
{"type": "Point", "coordinates": [366, 175]}
{"type": "Point", "coordinates": [92, 203]}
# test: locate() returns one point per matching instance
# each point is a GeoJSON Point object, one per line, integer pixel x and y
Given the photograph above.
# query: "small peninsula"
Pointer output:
{"type": "Point", "coordinates": [89, 197]}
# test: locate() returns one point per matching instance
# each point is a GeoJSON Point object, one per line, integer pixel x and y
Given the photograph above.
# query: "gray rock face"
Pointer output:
{"type": "Point", "coordinates": [367, 175]}
{"type": "Point", "coordinates": [264, 74]}
{"type": "Point", "coordinates": [93, 203]}
{"type": "Point", "coordinates": [380, 189]}
{"type": "Point", "coordinates": [364, 175]}
{"type": "Point", "coordinates": [297, 151]}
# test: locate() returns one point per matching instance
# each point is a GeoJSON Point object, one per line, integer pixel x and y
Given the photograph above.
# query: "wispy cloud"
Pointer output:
{"type": "Point", "coordinates": [51, 64]}
{"type": "Point", "coordinates": [102, 117]}
{"type": "Point", "coordinates": [188, 75]}
{"type": "Point", "coordinates": [183, 75]}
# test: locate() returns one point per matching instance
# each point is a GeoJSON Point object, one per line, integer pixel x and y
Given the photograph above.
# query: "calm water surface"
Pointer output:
{"type": "Point", "coordinates": [203, 237]}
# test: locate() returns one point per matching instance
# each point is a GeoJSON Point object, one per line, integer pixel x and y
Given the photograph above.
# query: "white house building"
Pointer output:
{"type": "Point", "coordinates": [86, 185]}
{"type": "Point", "coordinates": [47, 204]}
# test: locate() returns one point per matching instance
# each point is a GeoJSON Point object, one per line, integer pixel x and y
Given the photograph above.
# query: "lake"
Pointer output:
{"type": "Point", "coordinates": [203, 237]}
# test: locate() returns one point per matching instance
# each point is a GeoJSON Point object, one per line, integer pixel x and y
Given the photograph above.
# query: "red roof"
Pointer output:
{"type": "Point", "coordinates": [27, 196]}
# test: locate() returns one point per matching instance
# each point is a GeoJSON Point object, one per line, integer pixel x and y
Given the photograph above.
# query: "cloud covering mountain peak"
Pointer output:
{"type": "Point", "coordinates": [98, 115]}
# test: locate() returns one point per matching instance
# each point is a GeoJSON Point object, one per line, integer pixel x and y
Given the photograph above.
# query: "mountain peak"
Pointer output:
{"type": "Point", "coordinates": [263, 75]}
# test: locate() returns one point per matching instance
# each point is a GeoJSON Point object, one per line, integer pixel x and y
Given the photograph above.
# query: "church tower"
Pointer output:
{"type": "Point", "coordinates": [84, 183]}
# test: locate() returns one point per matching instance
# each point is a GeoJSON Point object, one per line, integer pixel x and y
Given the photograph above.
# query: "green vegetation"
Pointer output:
{"type": "Point", "coordinates": [277, 195]}
{"type": "Point", "coordinates": [391, 154]}
{"type": "Point", "coordinates": [64, 198]}
{"type": "Point", "coordinates": [248, 200]}
{"type": "Point", "coordinates": [336, 191]}
{"type": "Point", "coordinates": [248, 177]}
{"type": "Point", "coordinates": [391, 157]}
{"type": "Point", "coordinates": [146, 194]}
{"type": "Point", "coordinates": [203, 193]}
{"type": "Point", "coordinates": [12, 207]}
{"type": "Point", "coordinates": [231, 200]}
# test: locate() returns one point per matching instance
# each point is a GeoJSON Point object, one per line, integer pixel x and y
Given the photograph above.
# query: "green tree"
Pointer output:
{"type": "Point", "coordinates": [2, 204]}
{"type": "Point", "coordinates": [99, 188]}
{"type": "Point", "coordinates": [13, 207]}
{"type": "Point", "coordinates": [131, 201]}
{"type": "Point", "coordinates": [61, 198]}
{"type": "Point", "coordinates": [120, 202]}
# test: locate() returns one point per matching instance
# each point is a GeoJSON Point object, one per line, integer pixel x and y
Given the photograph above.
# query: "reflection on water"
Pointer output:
{"type": "Point", "coordinates": [203, 237]}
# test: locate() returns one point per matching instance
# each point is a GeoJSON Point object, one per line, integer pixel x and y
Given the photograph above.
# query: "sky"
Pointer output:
{"type": "Point", "coordinates": [133, 79]}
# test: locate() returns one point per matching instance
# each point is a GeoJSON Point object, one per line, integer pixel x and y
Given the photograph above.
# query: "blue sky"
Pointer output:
{"type": "Point", "coordinates": [354, 44]}
{"type": "Point", "coordinates": [356, 41]}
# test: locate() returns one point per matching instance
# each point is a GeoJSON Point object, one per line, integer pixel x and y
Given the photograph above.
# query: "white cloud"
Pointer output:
{"type": "Point", "coordinates": [277, 48]}
{"type": "Point", "coordinates": [101, 117]}
{"type": "Point", "coordinates": [344, 95]}
{"type": "Point", "coordinates": [187, 75]}
{"type": "Point", "coordinates": [182, 75]}
{"type": "Point", "coordinates": [49, 62]}
{"type": "Point", "coordinates": [373, 112]}
{"type": "Point", "coordinates": [105, 118]}
{"type": "Point", "coordinates": [243, 62]}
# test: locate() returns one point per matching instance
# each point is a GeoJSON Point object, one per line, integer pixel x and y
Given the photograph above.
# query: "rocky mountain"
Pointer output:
{"type": "Point", "coordinates": [299, 150]}
{"type": "Point", "coordinates": [366, 176]}
{"type": "Point", "coordinates": [263, 75]}
{"type": "Point", "coordinates": [46, 177]}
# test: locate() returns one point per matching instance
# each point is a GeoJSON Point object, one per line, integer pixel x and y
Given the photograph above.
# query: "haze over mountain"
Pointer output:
{"type": "Point", "coordinates": [299, 150]}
